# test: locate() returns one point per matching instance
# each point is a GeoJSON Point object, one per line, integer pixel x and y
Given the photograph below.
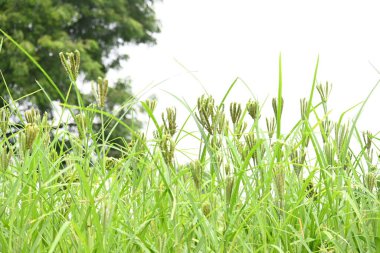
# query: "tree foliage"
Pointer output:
{"type": "Point", "coordinates": [94, 27]}
{"type": "Point", "coordinates": [97, 28]}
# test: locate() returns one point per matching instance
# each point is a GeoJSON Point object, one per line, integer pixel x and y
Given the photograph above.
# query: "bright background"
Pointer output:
{"type": "Point", "coordinates": [219, 40]}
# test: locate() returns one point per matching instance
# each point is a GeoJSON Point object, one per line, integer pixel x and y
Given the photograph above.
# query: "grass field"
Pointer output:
{"type": "Point", "coordinates": [252, 188]}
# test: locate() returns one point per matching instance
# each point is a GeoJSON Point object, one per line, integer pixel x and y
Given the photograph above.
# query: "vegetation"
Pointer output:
{"type": "Point", "coordinates": [96, 28]}
{"type": "Point", "coordinates": [251, 189]}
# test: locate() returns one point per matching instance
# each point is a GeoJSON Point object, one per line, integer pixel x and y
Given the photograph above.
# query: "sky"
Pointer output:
{"type": "Point", "coordinates": [205, 45]}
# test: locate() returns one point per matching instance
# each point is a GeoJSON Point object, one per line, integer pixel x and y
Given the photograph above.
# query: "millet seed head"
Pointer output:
{"type": "Point", "coordinates": [219, 122]}
{"type": "Point", "coordinates": [276, 105]}
{"type": "Point", "coordinates": [71, 63]}
{"type": "Point", "coordinates": [5, 158]}
{"type": "Point", "coordinates": [370, 181]}
{"type": "Point", "coordinates": [32, 116]}
{"type": "Point", "coordinates": [80, 120]}
{"type": "Point", "coordinates": [253, 108]}
{"type": "Point", "coordinates": [271, 126]}
{"type": "Point", "coordinates": [31, 132]}
{"type": "Point", "coordinates": [303, 105]}
{"type": "Point", "coordinates": [279, 179]}
{"type": "Point", "coordinates": [151, 103]}
{"type": "Point", "coordinates": [197, 173]}
{"type": "Point", "coordinates": [170, 124]}
{"type": "Point", "coordinates": [102, 91]}
{"type": "Point", "coordinates": [4, 119]}
{"type": "Point", "coordinates": [206, 110]}
{"type": "Point", "coordinates": [167, 146]}
{"type": "Point", "coordinates": [324, 91]}
{"type": "Point", "coordinates": [235, 112]}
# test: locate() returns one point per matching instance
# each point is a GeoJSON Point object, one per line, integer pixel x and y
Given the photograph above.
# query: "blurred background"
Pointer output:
{"type": "Point", "coordinates": [180, 49]}
{"type": "Point", "coordinates": [212, 42]}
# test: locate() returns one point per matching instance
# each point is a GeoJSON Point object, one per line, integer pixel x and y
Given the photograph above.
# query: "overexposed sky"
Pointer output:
{"type": "Point", "coordinates": [214, 41]}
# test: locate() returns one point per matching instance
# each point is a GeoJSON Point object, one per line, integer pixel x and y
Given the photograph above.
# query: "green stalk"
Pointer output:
{"type": "Point", "coordinates": [279, 99]}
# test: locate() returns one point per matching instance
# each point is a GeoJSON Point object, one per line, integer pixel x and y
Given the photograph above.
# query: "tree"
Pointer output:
{"type": "Point", "coordinates": [97, 28]}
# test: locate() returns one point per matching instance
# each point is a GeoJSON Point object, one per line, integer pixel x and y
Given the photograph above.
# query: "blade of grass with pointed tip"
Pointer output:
{"type": "Point", "coordinates": [279, 98]}
{"type": "Point", "coordinates": [310, 103]}
{"type": "Point", "coordinates": [346, 143]}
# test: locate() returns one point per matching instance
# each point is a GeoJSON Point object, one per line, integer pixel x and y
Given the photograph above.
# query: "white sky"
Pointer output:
{"type": "Point", "coordinates": [219, 40]}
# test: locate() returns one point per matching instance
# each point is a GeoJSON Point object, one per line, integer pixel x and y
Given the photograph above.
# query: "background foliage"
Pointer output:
{"type": "Point", "coordinates": [97, 28]}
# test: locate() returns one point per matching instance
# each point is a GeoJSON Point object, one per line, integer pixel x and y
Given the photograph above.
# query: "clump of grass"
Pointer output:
{"type": "Point", "coordinates": [251, 188]}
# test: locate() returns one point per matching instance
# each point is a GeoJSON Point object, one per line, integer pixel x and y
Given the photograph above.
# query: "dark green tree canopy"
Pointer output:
{"type": "Point", "coordinates": [46, 27]}
{"type": "Point", "coordinates": [97, 28]}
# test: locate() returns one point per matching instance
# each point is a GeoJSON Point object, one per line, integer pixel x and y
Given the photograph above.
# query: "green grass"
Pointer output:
{"type": "Point", "coordinates": [252, 188]}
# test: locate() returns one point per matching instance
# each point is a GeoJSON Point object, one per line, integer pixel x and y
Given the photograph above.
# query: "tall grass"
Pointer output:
{"type": "Point", "coordinates": [251, 189]}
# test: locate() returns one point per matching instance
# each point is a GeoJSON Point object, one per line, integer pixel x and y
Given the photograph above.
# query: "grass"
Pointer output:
{"type": "Point", "coordinates": [252, 188]}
